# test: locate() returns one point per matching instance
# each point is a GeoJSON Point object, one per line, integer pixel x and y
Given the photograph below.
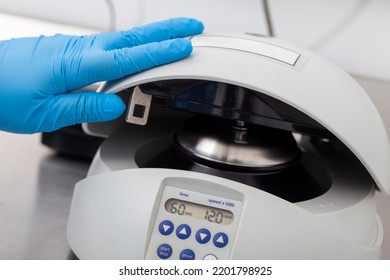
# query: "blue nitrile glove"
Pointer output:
{"type": "Point", "coordinates": [37, 74]}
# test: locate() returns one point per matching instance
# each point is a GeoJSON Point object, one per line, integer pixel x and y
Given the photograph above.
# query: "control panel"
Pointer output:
{"type": "Point", "coordinates": [192, 225]}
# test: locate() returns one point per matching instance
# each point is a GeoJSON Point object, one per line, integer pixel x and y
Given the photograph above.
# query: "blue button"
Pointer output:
{"type": "Point", "coordinates": [220, 240]}
{"type": "Point", "coordinates": [183, 231]}
{"type": "Point", "coordinates": [164, 251]}
{"type": "Point", "coordinates": [203, 236]}
{"type": "Point", "coordinates": [166, 227]}
{"type": "Point", "coordinates": [187, 254]}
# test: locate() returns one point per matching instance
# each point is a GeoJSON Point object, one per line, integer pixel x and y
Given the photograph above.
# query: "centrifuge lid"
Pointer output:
{"type": "Point", "coordinates": [295, 76]}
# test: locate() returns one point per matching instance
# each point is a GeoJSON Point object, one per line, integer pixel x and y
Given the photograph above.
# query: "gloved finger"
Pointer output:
{"type": "Point", "coordinates": [110, 65]}
{"type": "Point", "coordinates": [74, 108]}
{"type": "Point", "coordinates": [153, 32]}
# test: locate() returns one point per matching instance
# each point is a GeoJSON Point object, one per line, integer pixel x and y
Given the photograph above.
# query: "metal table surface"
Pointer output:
{"type": "Point", "coordinates": [36, 187]}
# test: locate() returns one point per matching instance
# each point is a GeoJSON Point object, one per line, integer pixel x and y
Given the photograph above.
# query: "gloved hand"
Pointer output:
{"type": "Point", "coordinates": [37, 74]}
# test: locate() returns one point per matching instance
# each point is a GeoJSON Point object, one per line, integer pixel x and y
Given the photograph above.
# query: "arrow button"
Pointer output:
{"type": "Point", "coordinates": [183, 231]}
{"type": "Point", "coordinates": [203, 236]}
{"type": "Point", "coordinates": [220, 240]}
{"type": "Point", "coordinates": [166, 227]}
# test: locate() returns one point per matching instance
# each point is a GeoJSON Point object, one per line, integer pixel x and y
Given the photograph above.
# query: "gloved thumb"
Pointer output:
{"type": "Point", "coordinates": [74, 108]}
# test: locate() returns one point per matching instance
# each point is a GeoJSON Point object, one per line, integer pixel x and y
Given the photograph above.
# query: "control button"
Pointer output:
{"type": "Point", "coordinates": [187, 254]}
{"type": "Point", "coordinates": [203, 236]}
{"type": "Point", "coordinates": [220, 240]}
{"type": "Point", "coordinates": [183, 231]}
{"type": "Point", "coordinates": [166, 227]}
{"type": "Point", "coordinates": [210, 257]}
{"type": "Point", "coordinates": [164, 251]}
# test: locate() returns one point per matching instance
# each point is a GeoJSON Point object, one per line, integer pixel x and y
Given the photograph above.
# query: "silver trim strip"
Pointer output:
{"type": "Point", "coordinates": [239, 44]}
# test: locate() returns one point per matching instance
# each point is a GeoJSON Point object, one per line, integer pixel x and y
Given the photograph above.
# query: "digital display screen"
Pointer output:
{"type": "Point", "coordinates": [199, 211]}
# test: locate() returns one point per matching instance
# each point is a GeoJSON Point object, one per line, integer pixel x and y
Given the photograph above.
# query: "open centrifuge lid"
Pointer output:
{"type": "Point", "coordinates": [295, 76]}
